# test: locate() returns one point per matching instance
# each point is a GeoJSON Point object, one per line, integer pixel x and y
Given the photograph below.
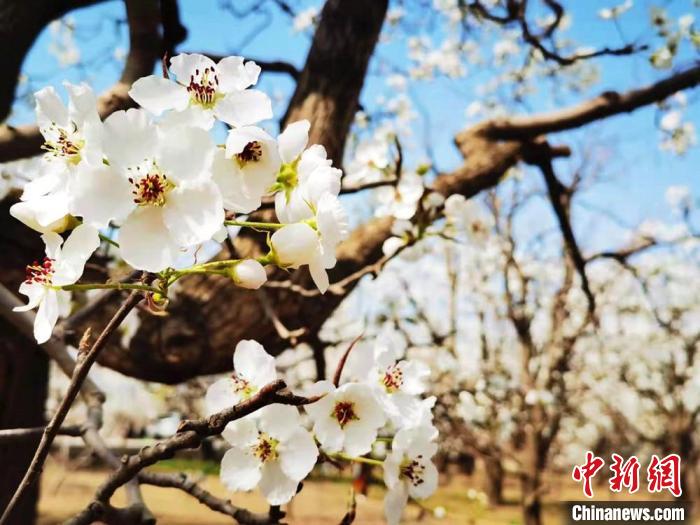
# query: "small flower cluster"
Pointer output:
{"type": "Point", "coordinates": [273, 450]}
{"type": "Point", "coordinates": [156, 176]}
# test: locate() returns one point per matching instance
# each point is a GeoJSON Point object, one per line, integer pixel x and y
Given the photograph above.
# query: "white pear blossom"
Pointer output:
{"type": "Point", "coordinates": [63, 265]}
{"type": "Point", "coordinates": [409, 470]}
{"type": "Point", "coordinates": [346, 418]}
{"type": "Point", "coordinates": [273, 451]}
{"type": "Point", "coordinates": [400, 201]}
{"type": "Point", "coordinates": [205, 90]}
{"type": "Point", "coordinates": [397, 382]}
{"type": "Point", "coordinates": [71, 134]}
{"type": "Point", "coordinates": [249, 274]}
{"type": "Point", "coordinates": [247, 169]}
{"type": "Point", "coordinates": [299, 244]}
{"type": "Point", "coordinates": [305, 177]}
{"type": "Point", "coordinates": [253, 368]}
{"type": "Point", "coordinates": [369, 163]}
{"type": "Point", "coordinates": [160, 192]}
{"type": "Point", "coordinates": [466, 215]}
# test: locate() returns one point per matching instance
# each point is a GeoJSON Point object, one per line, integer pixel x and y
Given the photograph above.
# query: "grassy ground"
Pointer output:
{"type": "Point", "coordinates": [65, 491]}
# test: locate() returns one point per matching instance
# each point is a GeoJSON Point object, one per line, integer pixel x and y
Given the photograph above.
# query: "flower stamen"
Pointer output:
{"type": "Point", "coordinates": [344, 413]}
{"type": "Point", "coordinates": [203, 88]}
{"type": "Point", "coordinates": [252, 152]}
{"type": "Point", "coordinates": [393, 378]}
{"type": "Point", "coordinates": [152, 188]}
{"type": "Point", "coordinates": [40, 273]}
{"type": "Point", "coordinates": [265, 449]}
{"type": "Point", "coordinates": [413, 471]}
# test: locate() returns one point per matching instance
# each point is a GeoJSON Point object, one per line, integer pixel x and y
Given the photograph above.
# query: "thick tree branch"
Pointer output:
{"type": "Point", "coordinates": [605, 105]}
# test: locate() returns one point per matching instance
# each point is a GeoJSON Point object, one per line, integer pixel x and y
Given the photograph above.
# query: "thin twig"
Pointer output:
{"type": "Point", "coordinates": [79, 375]}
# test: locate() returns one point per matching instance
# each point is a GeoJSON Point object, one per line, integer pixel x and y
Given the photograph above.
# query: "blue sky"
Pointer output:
{"type": "Point", "coordinates": [639, 171]}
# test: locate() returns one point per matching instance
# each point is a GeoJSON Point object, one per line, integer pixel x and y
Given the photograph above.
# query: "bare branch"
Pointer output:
{"type": "Point", "coordinates": [79, 375]}
{"type": "Point", "coordinates": [605, 105]}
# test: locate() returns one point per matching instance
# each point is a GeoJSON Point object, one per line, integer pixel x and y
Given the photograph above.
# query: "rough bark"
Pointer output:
{"type": "Point", "coordinates": [328, 89]}
{"type": "Point", "coordinates": [493, 481]}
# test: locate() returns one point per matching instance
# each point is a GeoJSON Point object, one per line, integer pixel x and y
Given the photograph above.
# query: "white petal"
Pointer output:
{"type": "Point", "coordinates": [250, 274]}
{"type": "Point", "coordinates": [242, 108]}
{"type": "Point", "coordinates": [233, 75]}
{"type": "Point", "coordinates": [46, 317]}
{"type": "Point", "coordinates": [429, 485]}
{"type": "Point", "coordinates": [293, 140]}
{"type": "Point", "coordinates": [193, 115]}
{"type": "Point", "coordinates": [241, 433]}
{"type": "Point", "coordinates": [82, 103]}
{"type": "Point", "coordinates": [53, 242]}
{"type": "Point", "coordinates": [35, 294]}
{"type": "Point", "coordinates": [253, 363]}
{"type": "Point", "coordinates": [239, 470]}
{"type": "Point", "coordinates": [77, 249]}
{"type": "Point", "coordinates": [229, 178]}
{"type": "Point", "coordinates": [298, 455]}
{"type": "Point", "coordinates": [394, 503]}
{"type": "Point", "coordinates": [185, 152]}
{"type": "Point", "coordinates": [158, 94]}
{"type": "Point", "coordinates": [359, 437]}
{"type": "Point", "coordinates": [49, 108]}
{"type": "Point", "coordinates": [220, 396]}
{"type": "Point", "coordinates": [145, 242]}
{"type": "Point", "coordinates": [392, 469]}
{"type": "Point", "coordinates": [129, 138]}
{"type": "Point", "coordinates": [259, 175]}
{"type": "Point", "coordinates": [319, 275]}
{"type": "Point", "coordinates": [280, 421]}
{"type": "Point", "coordinates": [277, 488]}
{"type": "Point", "coordinates": [26, 213]}
{"type": "Point", "coordinates": [185, 65]}
{"type": "Point", "coordinates": [329, 433]}
{"type": "Point", "coordinates": [100, 195]}
{"type": "Point", "coordinates": [193, 212]}
{"type": "Point", "coordinates": [295, 244]}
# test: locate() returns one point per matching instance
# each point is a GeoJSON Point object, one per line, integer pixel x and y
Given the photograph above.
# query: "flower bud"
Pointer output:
{"type": "Point", "coordinates": [249, 274]}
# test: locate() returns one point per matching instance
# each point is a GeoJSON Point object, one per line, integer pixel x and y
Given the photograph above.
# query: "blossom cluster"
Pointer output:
{"type": "Point", "coordinates": [274, 450]}
{"type": "Point", "coordinates": [155, 176]}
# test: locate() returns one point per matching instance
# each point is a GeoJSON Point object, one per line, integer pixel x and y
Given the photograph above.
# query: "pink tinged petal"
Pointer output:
{"type": "Point", "coordinates": [46, 317]}
{"type": "Point", "coordinates": [220, 396]}
{"type": "Point", "coordinates": [253, 363]}
{"type": "Point", "coordinates": [189, 163]}
{"type": "Point", "coordinates": [242, 108]}
{"type": "Point", "coordinates": [298, 454]}
{"type": "Point", "coordinates": [100, 195]}
{"type": "Point", "coordinates": [279, 421]}
{"type": "Point", "coordinates": [394, 503]}
{"type": "Point", "coordinates": [193, 213]}
{"type": "Point", "coordinates": [240, 470]}
{"type": "Point", "coordinates": [293, 140]}
{"type": "Point", "coordinates": [157, 94]}
{"type": "Point", "coordinates": [129, 138]}
{"type": "Point", "coordinates": [49, 108]}
{"type": "Point", "coordinates": [241, 433]}
{"type": "Point", "coordinates": [35, 294]}
{"type": "Point", "coordinates": [145, 241]}
{"type": "Point", "coordinates": [80, 245]}
{"type": "Point", "coordinates": [184, 65]}
{"type": "Point", "coordinates": [277, 488]}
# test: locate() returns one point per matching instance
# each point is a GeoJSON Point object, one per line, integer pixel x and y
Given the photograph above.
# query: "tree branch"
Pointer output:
{"type": "Point", "coordinates": [144, 48]}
